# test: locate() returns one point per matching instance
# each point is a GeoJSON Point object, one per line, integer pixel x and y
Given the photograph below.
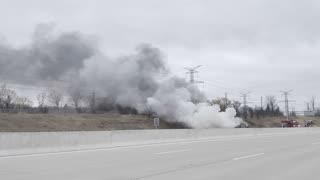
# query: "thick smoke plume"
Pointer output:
{"type": "Point", "coordinates": [49, 56]}
{"type": "Point", "coordinates": [141, 80]}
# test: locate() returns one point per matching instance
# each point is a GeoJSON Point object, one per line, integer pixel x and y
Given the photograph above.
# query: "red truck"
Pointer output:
{"type": "Point", "coordinates": [290, 123]}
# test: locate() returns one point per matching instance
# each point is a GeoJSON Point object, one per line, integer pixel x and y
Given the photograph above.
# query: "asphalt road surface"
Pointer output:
{"type": "Point", "coordinates": [292, 156]}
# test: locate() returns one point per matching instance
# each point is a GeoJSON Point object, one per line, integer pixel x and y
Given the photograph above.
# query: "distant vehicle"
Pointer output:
{"type": "Point", "coordinates": [309, 123]}
{"type": "Point", "coordinates": [290, 123]}
{"type": "Point", "coordinates": [243, 125]}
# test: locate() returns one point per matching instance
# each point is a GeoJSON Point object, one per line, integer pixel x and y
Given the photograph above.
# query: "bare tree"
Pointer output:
{"type": "Point", "coordinates": [308, 106]}
{"type": "Point", "coordinates": [271, 101]}
{"type": "Point", "coordinates": [55, 97]}
{"type": "Point", "coordinates": [22, 102]}
{"type": "Point", "coordinates": [223, 103]}
{"type": "Point", "coordinates": [149, 111]}
{"type": "Point", "coordinates": [7, 96]}
{"type": "Point", "coordinates": [92, 102]}
{"type": "Point", "coordinates": [236, 105]}
{"type": "Point", "coordinates": [2, 94]}
{"type": "Point", "coordinates": [41, 98]}
{"type": "Point", "coordinates": [76, 97]}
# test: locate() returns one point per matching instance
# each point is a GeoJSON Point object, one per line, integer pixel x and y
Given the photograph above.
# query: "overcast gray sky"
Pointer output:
{"type": "Point", "coordinates": [262, 46]}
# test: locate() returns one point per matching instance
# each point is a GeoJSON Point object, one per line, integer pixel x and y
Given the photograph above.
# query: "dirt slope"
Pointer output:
{"type": "Point", "coordinates": [24, 122]}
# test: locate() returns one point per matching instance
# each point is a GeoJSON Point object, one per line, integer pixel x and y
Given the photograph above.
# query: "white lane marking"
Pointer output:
{"type": "Point", "coordinates": [316, 143]}
{"type": "Point", "coordinates": [170, 152]}
{"type": "Point", "coordinates": [201, 140]}
{"type": "Point", "coordinates": [245, 157]}
{"type": "Point", "coordinates": [217, 139]}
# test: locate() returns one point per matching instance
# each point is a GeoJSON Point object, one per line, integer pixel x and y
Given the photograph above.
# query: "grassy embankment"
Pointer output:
{"type": "Point", "coordinates": [25, 122]}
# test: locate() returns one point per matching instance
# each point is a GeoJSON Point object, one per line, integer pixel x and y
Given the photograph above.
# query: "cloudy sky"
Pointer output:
{"type": "Point", "coordinates": [261, 46]}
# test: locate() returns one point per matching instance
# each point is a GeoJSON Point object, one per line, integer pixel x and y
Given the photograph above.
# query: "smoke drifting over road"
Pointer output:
{"type": "Point", "coordinates": [141, 80]}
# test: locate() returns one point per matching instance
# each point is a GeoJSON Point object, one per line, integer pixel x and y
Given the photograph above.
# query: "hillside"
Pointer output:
{"type": "Point", "coordinates": [25, 122]}
{"type": "Point", "coordinates": [269, 122]}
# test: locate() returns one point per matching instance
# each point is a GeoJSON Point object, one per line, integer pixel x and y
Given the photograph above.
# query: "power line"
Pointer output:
{"type": "Point", "coordinates": [219, 87]}
{"type": "Point", "coordinates": [224, 85]}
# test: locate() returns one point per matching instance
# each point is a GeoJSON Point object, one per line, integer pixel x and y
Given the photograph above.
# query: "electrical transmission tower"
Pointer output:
{"type": "Point", "coordinates": [286, 102]}
{"type": "Point", "coordinates": [245, 102]}
{"type": "Point", "coordinates": [226, 99]}
{"type": "Point", "coordinates": [192, 72]}
{"type": "Point", "coordinates": [244, 97]}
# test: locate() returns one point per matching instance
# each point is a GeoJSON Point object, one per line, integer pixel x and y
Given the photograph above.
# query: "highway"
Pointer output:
{"type": "Point", "coordinates": [282, 156]}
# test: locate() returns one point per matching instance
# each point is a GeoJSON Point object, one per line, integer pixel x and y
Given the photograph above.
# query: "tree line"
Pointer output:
{"type": "Point", "coordinates": [58, 99]}
{"type": "Point", "coordinates": [270, 109]}
{"type": "Point", "coordinates": [10, 100]}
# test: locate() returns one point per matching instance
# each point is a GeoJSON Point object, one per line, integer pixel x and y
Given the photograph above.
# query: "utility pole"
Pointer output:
{"type": "Point", "coordinates": [313, 102]}
{"type": "Point", "coordinates": [226, 99]}
{"type": "Point", "coordinates": [293, 110]}
{"type": "Point", "coordinates": [192, 71]}
{"type": "Point", "coordinates": [261, 102]}
{"type": "Point", "coordinates": [286, 102]}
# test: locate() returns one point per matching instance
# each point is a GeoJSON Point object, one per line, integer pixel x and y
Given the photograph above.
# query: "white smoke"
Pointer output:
{"type": "Point", "coordinates": [177, 105]}
{"type": "Point", "coordinates": [143, 81]}
{"type": "Point", "coordinates": [209, 116]}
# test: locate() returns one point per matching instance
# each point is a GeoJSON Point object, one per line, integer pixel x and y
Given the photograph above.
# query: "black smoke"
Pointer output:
{"type": "Point", "coordinates": [47, 57]}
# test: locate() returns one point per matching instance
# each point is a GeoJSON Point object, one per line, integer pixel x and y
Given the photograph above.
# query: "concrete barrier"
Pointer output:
{"type": "Point", "coordinates": [18, 143]}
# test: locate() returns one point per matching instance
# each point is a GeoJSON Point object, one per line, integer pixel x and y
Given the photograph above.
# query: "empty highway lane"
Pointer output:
{"type": "Point", "coordinates": [267, 156]}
